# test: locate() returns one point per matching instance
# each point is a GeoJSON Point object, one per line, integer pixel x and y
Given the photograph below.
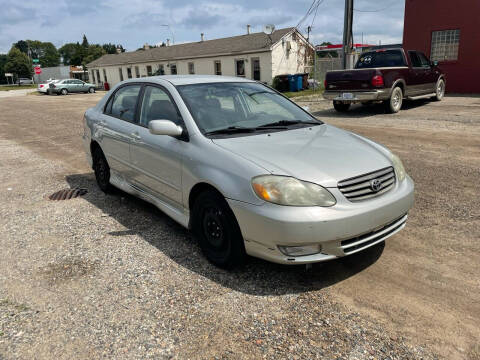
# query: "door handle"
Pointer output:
{"type": "Point", "coordinates": [135, 136]}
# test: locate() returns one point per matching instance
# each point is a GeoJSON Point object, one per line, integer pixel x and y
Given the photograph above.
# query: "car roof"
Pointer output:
{"type": "Point", "coordinates": [190, 79]}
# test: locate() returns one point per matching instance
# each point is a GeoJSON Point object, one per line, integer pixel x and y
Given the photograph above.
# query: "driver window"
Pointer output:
{"type": "Point", "coordinates": [423, 60]}
{"type": "Point", "coordinates": [157, 105]}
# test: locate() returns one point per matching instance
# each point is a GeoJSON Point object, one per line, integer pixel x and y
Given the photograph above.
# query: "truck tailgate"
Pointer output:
{"type": "Point", "coordinates": [350, 79]}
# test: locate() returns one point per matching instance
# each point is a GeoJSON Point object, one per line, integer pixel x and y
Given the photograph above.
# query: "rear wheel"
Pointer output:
{"type": "Point", "coordinates": [64, 91]}
{"type": "Point", "coordinates": [217, 230]}
{"type": "Point", "coordinates": [396, 100]}
{"type": "Point", "coordinates": [341, 107]}
{"type": "Point", "coordinates": [439, 90]}
{"type": "Point", "coordinates": [102, 170]}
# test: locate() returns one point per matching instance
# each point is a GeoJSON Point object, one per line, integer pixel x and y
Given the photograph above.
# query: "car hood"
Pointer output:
{"type": "Point", "coordinates": [321, 154]}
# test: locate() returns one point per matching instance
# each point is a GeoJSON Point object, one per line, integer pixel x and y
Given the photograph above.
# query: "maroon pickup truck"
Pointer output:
{"type": "Point", "coordinates": [388, 76]}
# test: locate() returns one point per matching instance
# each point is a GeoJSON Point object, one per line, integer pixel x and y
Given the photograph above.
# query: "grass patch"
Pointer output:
{"type": "Point", "coordinates": [303, 93]}
{"type": "Point", "coordinates": [17, 87]}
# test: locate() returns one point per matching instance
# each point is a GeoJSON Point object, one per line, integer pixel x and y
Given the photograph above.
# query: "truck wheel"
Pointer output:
{"type": "Point", "coordinates": [341, 107]}
{"type": "Point", "coordinates": [439, 90]}
{"type": "Point", "coordinates": [395, 103]}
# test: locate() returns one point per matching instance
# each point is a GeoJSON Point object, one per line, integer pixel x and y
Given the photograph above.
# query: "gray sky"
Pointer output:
{"type": "Point", "coordinates": [134, 22]}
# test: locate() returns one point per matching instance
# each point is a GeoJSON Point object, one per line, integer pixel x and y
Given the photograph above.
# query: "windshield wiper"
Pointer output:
{"type": "Point", "coordinates": [283, 123]}
{"type": "Point", "coordinates": [230, 130]}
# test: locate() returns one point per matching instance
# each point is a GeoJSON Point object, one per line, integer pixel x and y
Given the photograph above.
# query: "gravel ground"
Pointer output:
{"type": "Point", "coordinates": [109, 276]}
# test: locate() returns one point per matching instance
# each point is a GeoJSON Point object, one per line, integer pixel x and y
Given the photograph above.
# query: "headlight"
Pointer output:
{"type": "Point", "coordinates": [399, 169]}
{"type": "Point", "coordinates": [285, 190]}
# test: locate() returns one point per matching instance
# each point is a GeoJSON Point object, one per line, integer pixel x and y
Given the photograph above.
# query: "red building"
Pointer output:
{"type": "Point", "coordinates": [449, 32]}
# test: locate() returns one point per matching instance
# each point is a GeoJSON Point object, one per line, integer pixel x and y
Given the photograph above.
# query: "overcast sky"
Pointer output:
{"type": "Point", "coordinates": [135, 22]}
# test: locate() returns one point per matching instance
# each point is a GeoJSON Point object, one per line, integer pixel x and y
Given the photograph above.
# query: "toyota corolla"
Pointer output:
{"type": "Point", "coordinates": [246, 169]}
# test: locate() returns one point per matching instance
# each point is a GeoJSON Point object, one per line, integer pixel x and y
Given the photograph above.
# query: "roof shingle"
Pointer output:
{"type": "Point", "coordinates": [224, 46]}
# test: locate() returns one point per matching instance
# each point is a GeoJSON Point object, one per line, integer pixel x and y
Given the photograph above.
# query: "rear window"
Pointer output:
{"type": "Point", "coordinates": [384, 58]}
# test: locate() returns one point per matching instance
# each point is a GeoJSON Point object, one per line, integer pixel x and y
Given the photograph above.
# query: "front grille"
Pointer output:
{"type": "Point", "coordinates": [361, 242]}
{"type": "Point", "coordinates": [369, 185]}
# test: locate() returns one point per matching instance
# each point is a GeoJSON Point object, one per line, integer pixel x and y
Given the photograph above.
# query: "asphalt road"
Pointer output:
{"type": "Point", "coordinates": [111, 276]}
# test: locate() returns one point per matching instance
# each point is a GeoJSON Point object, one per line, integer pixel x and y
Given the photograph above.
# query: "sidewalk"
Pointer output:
{"type": "Point", "coordinates": [19, 92]}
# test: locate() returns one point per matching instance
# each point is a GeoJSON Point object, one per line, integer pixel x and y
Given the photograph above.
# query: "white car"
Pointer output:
{"type": "Point", "coordinates": [44, 87]}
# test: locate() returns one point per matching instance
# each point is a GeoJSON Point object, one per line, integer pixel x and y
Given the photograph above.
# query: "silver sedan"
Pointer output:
{"type": "Point", "coordinates": [246, 169]}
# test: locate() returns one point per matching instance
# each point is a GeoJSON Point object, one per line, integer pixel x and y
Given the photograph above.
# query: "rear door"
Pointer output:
{"type": "Point", "coordinates": [158, 158]}
{"type": "Point", "coordinates": [118, 129]}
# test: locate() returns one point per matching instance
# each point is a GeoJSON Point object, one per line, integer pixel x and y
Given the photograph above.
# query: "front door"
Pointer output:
{"type": "Point", "coordinates": [117, 129]}
{"type": "Point", "coordinates": [417, 76]}
{"type": "Point", "coordinates": [157, 159]}
{"type": "Point", "coordinates": [256, 69]}
{"type": "Point", "coordinates": [430, 76]}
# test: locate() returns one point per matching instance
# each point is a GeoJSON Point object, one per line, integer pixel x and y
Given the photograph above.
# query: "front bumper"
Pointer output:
{"type": "Point", "coordinates": [358, 96]}
{"type": "Point", "coordinates": [343, 229]}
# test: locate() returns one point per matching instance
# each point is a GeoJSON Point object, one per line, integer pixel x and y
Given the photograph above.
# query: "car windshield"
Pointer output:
{"type": "Point", "coordinates": [233, 107]}
{"type": "Point", "coordinates": [380, 58]}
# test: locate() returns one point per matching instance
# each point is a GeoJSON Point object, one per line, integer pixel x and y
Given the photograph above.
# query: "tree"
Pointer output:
{"type": "Point", "coordinates": [93, 53]}
{"type": "Point", "coordinates": [71, 54]}
{"type": "Point", "coordinates": [85, 42]}
{"type": "Point", "coordinates": [3, 61]}
{"type": "Point", "coordinates": [18, 63]}
{"type": "Point", "coordinates": [46, 52]}
{"type": "Point", "coordinates": [22, 45]}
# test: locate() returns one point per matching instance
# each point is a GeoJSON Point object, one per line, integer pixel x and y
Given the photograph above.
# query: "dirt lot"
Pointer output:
{"type": "Point", "coordinates": [111, 276]}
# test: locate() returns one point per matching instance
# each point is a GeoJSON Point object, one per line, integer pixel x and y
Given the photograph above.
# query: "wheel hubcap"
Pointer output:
{"type": "Point", "coordinates": [212, 227]}
{"type": "Point", "coordinates": [440, 89]}
{"type": "Point", "coordinates": [396, 99]}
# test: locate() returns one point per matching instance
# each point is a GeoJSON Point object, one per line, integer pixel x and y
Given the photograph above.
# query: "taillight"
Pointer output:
{"type": "Point", "coordinates": [377, 81]}
{"type": "Point", "coordinates": [325, 83]}
{"type": "Point", "coordinates": [41, 85]}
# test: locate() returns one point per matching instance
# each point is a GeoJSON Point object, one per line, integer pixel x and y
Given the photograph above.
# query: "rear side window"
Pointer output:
{"type": "Point", "coordinates": [382, 58]}
{"type": "Point", "coordinates": [124, 103]}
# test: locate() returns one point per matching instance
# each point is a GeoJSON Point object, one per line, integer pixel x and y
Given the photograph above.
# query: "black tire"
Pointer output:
{"type": "Point", "coordinates": [64, 91]}
{"type": "Point", "coordinates": [102, 170]}
{"type": "Point", "coordinates": [439, 90]}
{"type": "Point", "coordinates": [341, 107]}
{"type": "Point", "coordinates": [394, 104]}
{"type": "Point", "coordinates": [91, 90]}
{"type": "Point", "coordinates": [217, 230]}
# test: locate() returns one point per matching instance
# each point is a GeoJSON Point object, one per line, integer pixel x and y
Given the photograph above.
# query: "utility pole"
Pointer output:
{"type": "Point", "coordinates": [309, 28]}
{"type": "Point", "coordinates": [347, 32]}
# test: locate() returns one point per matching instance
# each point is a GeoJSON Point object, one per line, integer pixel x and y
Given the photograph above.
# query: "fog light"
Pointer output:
{"type": "Point", "coordinates": [300, 250]}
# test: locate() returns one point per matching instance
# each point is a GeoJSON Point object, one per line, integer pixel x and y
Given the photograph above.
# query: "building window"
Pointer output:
{"type": "Point", "coordinates": [240, 68]}
{"type": "Point", "coordinates": [129, 73]}
{"type": "Point", "coordinates": [93, 76]}
{"type": "Point", "coordinates": [105, 75]}
{"type": "Point", "coordinates": [161, 70]}
{"type": "Point", "coordinates": [191, 68]}
{"type": "Point", "coordinates": [98, 76]}
{"type": "Point", "coordinates": [445, 45]}
{"type": "Point", "coordinates": [137, 71]}
{"type": "Point", "coordinates": [173, 69]}
{"type": "Point", "coordinates": [149, 70]}
{"type": "Point", "coordinates": [217, 67]}
{"type": "Point", "coordinates": [120, 74]}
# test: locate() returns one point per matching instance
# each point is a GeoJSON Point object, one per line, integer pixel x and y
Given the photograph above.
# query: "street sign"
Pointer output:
{"type": "Point", "coordinates": [36, 61]}
{"type": "Point", "coordinates": [38, 70]}
{"type": "Point", "coordinates": [8, 74]}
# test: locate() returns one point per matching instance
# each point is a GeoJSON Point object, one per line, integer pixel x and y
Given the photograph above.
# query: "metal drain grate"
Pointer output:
{"type": "Point", "coordinates": [67, 194]}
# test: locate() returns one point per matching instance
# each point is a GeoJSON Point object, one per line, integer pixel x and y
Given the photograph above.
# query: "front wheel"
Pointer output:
{"type": "Point", "coordinates": [102, 170]}
{"type": "Point", "coordinates": [439, 90]}
{"type": "Point", "coordinates": [91, 90]}
{"type": "Point", "coordinates": [217, 230]}
{"type": "Point", "coordinates": [341, 107]}
{"type": "Point", "coordinates": [395, 103]}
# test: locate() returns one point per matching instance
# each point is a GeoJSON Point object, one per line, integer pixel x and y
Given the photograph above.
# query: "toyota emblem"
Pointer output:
{"type": "Point", "coordinates": [375, 185]}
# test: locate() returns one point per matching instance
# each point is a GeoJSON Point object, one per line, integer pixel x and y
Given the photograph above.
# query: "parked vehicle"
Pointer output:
{"type": "Point", "coordinates": [388, 75]}
{"type": "Point", "coordinates": [24, 81]}
{"type": "Point", "coordinates": [63, 87]}
{"type": "Point", "coordinates": [246, 169]}
{"type": "Point", "coordinates": [44, 88]}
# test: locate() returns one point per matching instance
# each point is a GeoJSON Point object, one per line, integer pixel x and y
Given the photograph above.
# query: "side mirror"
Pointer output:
{"type": "Point", "coordinates": [435, 63]}
{"type": "Point", "coordinates": [164, 127]}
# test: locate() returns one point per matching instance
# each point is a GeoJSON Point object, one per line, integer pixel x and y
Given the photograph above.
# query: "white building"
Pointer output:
{"type": "Point", "coordinates": [257, 56]}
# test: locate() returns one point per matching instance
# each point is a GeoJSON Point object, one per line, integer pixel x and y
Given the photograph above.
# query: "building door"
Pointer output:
{"type": "Point", "coordinates": [256, 69]}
